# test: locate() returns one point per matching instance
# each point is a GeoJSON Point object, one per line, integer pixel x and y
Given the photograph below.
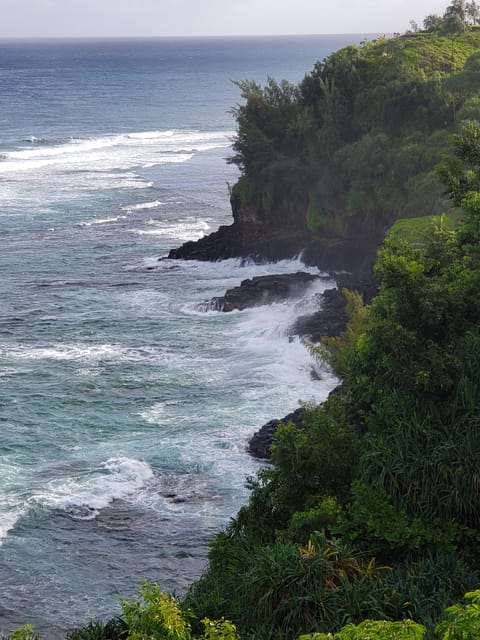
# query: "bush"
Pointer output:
{"type": "Point", "coordinates": [114, 629]}
{"type": "Point", "coordinates": [374, 630]}
{"type": "Point", "coordinates": [311, 465]}
{"type": "Point", "coordinates": [155, 615]}
{"type": "Point", "coordinates": [463, 620]}
{"type": "Point", "coordinates": [282, 589]}
{"type": "Point", "coordinates": [25, 632]}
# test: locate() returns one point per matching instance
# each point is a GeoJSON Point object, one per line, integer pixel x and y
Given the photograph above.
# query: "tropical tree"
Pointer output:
{"type": "Point", "coordinates": [432, 22]}
{"type": "Point", "coordinates": [271, 148]}
{"type": "Point", "coordinates": [472, 11]}
{"type": "Point", "coordinates": [461, 172]}
{"type": "Point", "coordinates": [453, 24]}
{"type": "Point", "coordinates": [458, 8]}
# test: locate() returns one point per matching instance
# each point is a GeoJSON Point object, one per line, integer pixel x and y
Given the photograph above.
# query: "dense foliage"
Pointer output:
{"type": "Point", "coordinates": [372, 511]}
{"type": "Point", "coordinates": [354, 145]}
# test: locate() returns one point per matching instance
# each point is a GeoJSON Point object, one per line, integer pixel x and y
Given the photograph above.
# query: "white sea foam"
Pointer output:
{"type": "Point", "coordinates": [85, 495]}
{"type": "Point", "coordinates": [9, 516]}
{"type": "Point", "coordinates": [236, 269]}
{"type": "Point", "coordinates": [262, 339]}
{"type": "Point", "coordinates": [99, 163]}
{"type": "Point", "coordinates": [91, 354]}
{"type": "Point", "coordinates": [12, 503]}
{"type": "Point", "coordinates": [226, 274]}
{"type": "Point", "coordinates": [169, 159]}
{"type": "Point", "coordinates": [90, 223]}
{"type": "Point", "coordinates": [143, 205]}
{"type": "Point", "coordinates": [271, 371]}
{"type": "Point", "coordinates": [155, 413]}
{"type": "Point", "coordinates": [121, 149]}
{"type": "Point", "coordinates": [189, 229]}
{"type": "Point", "coordinates": [151, 135]}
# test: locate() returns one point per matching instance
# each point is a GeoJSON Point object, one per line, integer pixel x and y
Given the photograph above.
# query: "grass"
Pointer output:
{"type": "Point", "coordinates": [417, 230]}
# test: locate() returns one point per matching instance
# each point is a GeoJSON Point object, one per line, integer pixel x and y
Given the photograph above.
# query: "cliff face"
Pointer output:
{"type": "Point", "coordinates": [251, 237]}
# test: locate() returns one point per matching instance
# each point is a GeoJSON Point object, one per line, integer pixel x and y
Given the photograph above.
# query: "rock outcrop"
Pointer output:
{"type": "Point", "coordinates": [250, 237]}
{"type": "Point", "coordinates": [260, 290]}
{"type": "Point", "coordinates": [260, 444]}
{"type": "Point", "coordinates": [330, 320]}
{"type": "Point", "coordinates": [242, 240]}
{"type": "Point", "coordinates": [263, 243]}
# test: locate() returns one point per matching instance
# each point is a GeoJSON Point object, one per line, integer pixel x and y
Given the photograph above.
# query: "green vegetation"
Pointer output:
{"type": "Point", "coordinates": [455, 19]}
{"type": "Point", "coordinates": [25, 632]}
{"type": "Point", "coordinates": [416, 231]}
{"type": "Point", "coordinates": [367, 524]}
{"type": "Point", "coordinates": [159, 617]}
{"type": "Point", "coordinates": [374, 630]}
{"type": "Point", "coordinates": [463, 620]}
{"type": "Point", "coordinates": [153, 615]}
{"type": "Point", "coordinates": [353, 147]}
{"type": "Point", "coordinates": [371, 512]}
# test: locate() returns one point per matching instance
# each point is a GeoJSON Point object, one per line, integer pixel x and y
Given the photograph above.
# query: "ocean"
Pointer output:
{"type": "Point", "coordinates": [125, 407]}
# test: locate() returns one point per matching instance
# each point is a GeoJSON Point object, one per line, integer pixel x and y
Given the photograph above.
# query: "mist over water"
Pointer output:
{"type": "Point", "coordinates": [125, 408]}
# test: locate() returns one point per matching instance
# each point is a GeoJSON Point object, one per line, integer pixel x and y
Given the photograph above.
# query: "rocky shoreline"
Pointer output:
{"type": "Point", "coordinates": [329, 320]}
{"type": "Point", "coordinates": [346, 262]}
{"type": "Point", "coordinates": [263, 243]}
{"type": "Point", "coordinates": [260, 444]}
{"type": "Point", "coordinates": [261, 290]}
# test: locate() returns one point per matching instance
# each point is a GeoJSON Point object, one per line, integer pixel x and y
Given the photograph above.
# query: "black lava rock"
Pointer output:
{"type": "Point", "coordinates": [261, 441]}
{"type": "Point", "coordinates": [263, 290]}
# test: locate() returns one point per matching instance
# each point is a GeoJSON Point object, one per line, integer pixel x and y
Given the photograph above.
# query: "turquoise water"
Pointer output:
{"type": "Point", "coordinates": [125, 408]}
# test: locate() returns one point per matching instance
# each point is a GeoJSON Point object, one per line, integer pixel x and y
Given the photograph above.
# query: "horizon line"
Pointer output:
{"type": "Point", "coordinates": [183, 37]}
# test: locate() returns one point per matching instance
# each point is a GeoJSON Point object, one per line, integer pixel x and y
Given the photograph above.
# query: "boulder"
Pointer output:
{"type": "Point", "coordinates": [261, 290]}
{"type": "Point", "coordinates": [260, 444]}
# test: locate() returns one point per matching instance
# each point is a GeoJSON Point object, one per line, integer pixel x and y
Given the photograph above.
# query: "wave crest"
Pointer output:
{"type": "Point", "coordinates": [83, 497]}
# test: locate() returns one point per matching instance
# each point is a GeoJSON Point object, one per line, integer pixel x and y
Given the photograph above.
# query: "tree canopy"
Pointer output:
{"type": "Point", "coordinates": [354, 145]}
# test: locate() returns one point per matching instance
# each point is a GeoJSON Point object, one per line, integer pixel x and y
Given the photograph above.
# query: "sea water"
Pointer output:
{"type": "Point", "coordinates": [125, 408]}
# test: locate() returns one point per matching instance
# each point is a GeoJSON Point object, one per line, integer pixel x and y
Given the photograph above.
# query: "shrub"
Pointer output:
{"type": "Point", "coordinates": [25, 632]}
{"type": "Point", "coordinates": [114, 629]}
{"type": "Point", "coordinates": [374, 630]}
{"type": "Point", "coordinates": [155, 615]}
{"type": "Point", "coordinates": [463, 620]}
{"type": "Point", "coordinates": [310, 465]}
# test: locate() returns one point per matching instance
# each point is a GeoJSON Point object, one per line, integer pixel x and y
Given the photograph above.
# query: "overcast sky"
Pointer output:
{"type": "Point", "coordinates": [47, 18]}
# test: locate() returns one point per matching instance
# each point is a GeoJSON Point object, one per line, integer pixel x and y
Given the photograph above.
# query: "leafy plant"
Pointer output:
{"type": "Point", "coordinates": [310, 465]}
{"type": "Point", "coordinates": [25, 632]}
{"type": "Point", "coordinates": [334, 349]}
{"type": "Point", "coordinates": [114, 629]}
{"type": "Point", "coordinates": [219, 630]}
{"type": "Point", "coordinates": [374, 630]}
{"type": "Point", "coordinates": [463, 620]}
{"type": "Point", "coordinates": [155, 615]}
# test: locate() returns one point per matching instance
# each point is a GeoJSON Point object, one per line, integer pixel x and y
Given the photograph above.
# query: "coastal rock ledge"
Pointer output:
{"type": "Point", "coordinates": [262, 243]}
{"type": "Point", "coordinates": [330, 320]}
{"type": "Point", "coordinates": [351, 258]}
{"type": "Point", "coordinates": [260, 444]}
{"type": "Point", "coordinates": [262, 290]}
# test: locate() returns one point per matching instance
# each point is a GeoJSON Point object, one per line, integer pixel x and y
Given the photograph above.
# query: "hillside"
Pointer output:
{"type": "Point", "coordinates": [327, 166]}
